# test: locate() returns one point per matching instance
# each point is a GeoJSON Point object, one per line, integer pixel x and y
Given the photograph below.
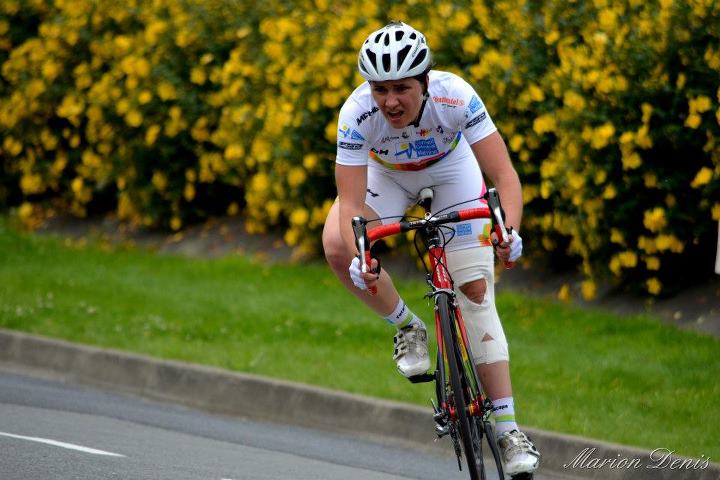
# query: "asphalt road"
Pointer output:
{"type": "Point", "coordinates": [51, 430]}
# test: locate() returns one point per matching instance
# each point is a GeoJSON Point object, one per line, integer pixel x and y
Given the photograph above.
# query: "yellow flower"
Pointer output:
{"type": "Point", "coordinates": [134, 118]}
{"type": "Point", "coordinates": [310, 161]}
{"type": "Point", "coordinates": [653, 286]}
{"type": "Point", "coordinates": [627, 258]}
{"type": "Point", "coordinates": [234, 151]}
{"type": "Point", "coordinates": [647, 110]}
{"type": "Point", "coordinates": [516, 142]}
{"type": "Point", "coordinates": [631, 160]}
{"type": "Point", "coordinates": [654, 220]}
{"type": "Point", "coordinates": [564, 293]}
{"type": "Point", "coordinates": [77, 185]}
{"type": "Point", "coordinates": [680, 82]}
{"type": "Point", "coordinates": [552, 37]}
{"type": "Point", "coordinates": [472, 44]}
{"type": "Point", "coordinates": [588, 289]}
{"type": "Point", "coordinates": [716, 211]}
{"type": "Point", "coordinates": [260, 182]}
{"type": "Point", "coordinates": [233, 209]}
{"type": "Point", "coordinates": [650, 180]}
{"type": "Point", "coordinates": [543, 124]}
{"type": "Point", "coordinates": [693, 120]}
{"type": "Point", "coordinates": [31, 183]}
{"type": "Point", "coordinates": [574, 101]}
{"type": "Point", "coordinates": [296, 177]}
{"type": "Point", "coordinates": [291, 237]}
{"type": "Point", "coordinates": [145, 97]}
{"type": "Point", "coordinates": [616, 236]}
{"type": "Point", "coordinates": [198, 75]}
{"type": "Point", "coordinates": [12, 146]}
{"type": "Point", "coordinates": [159, 180]}
{"type": "Point", "coordinates": [602, 136]}
{"type": "Point", "coordinates": [299, 217]}
{"type": "Point", "coordinates": [166, 91]}
{"type": "Point", "coordinates": [669, 242]}
{"type": "Point", "coordinates": [189, 192]}
{"type": "Point", "coordinates": [175, 223]}
{"type": "Point", "coordinates": [25, 211]}
{"type": "Point", "coordinates": [151, 135]}
{"type": "Point", "coordinates": [700, 104]}
{"type": "Point", "coordinates": [652, 263]}
{"type": "Point", "coordinates": [610, 192]}
{"type": "Point", "coordinates": [703, 177]}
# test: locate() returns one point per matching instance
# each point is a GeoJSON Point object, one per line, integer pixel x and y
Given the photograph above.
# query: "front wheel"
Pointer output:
{"type": "Point", "coordinates": [461, 395]}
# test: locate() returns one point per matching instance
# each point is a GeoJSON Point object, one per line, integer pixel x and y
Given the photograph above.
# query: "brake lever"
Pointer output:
{"type": "Point", "coordinates": [493, 199]}
{"type": "Point", "coordinates": [363, 246]}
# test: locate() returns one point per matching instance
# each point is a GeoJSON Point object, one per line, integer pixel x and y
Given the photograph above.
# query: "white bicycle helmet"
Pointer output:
{"type": "Point", "coordinates": [395, 51]}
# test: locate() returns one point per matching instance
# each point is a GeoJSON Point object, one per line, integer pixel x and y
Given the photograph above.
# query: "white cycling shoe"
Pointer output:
{"type": "Point", "coordinates": [411, 351]}
{"type": "Point", "coordinates": [518, 453]}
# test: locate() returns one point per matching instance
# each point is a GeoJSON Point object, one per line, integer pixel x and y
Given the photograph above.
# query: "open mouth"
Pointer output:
{"type": "Point", "coordinates": [394, 115]}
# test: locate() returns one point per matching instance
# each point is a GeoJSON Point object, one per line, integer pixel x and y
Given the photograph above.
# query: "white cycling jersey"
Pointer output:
{"type": "Point", "coordinates": [436, 153]}
{"type": "Point", "coordinates": [454, 117]}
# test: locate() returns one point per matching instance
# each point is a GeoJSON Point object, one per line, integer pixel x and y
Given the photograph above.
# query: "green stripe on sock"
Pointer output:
{"type": "Point", "coordinates": [505, 418]}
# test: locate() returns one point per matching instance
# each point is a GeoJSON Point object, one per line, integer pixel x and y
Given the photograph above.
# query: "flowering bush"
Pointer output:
{"type": "Point", "coordinates": [169, 111]}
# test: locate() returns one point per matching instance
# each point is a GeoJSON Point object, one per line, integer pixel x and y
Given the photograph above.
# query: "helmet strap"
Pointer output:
{"type": "Point", "coordinates": [416, 122]}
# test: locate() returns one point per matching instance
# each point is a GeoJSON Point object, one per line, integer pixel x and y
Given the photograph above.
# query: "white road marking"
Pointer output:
{"type": "Point", "coordinates": [70, 446]}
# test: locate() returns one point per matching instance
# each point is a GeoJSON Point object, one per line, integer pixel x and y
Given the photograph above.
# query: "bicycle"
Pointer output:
{"type": "Point", "coordinates": [462, 410]}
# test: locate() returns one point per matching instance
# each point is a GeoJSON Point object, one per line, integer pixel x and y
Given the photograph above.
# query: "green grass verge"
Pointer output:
{"type": "Point", "coordinates": [631, 380]}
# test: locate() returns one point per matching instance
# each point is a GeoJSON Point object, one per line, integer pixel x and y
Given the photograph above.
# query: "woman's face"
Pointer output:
{"type": "Point", "coordinates": [398, 100]}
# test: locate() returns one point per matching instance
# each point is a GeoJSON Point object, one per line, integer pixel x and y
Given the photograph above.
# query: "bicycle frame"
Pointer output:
{"type": "Point", "coordinates": [441, 284]}
{"type": "Point", "coordinates": [476, 406]}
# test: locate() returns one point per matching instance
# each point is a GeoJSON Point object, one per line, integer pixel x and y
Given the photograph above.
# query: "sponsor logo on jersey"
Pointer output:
{"type": "Point", "coordinates": [475, 104]}
{"type": "Point", "coordinates": [350, 146]}
{"type": "Point", "coordinates": [463, 229]}
{"type": "Point", "coordinates": [476, 120]}
{"type": "Point", "coordinates": [417, 149]}
{"type": "Point", "coordinates": [367, 115]}
{"type": "Point", "coordinates": [452, 102]}
{"type": "Point", "coordinates": [423, 132]}
{"type": "Point", "coordinates": [448, 138]}
{"type": "Point", "coordinates": [344, 130]}
{"type": "Point", "coordinates": [388, 138]}
{"type": "Point", "coordinates": [440, 129]}
{"type": "Point", "coordinates": [380, 152]}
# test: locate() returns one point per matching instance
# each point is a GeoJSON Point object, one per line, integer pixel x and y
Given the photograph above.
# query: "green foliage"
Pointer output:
{"type": "Point", "coordinates": [170, 111]}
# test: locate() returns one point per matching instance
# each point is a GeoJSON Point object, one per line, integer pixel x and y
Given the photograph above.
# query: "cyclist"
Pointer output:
{"type": "Point", "coordinates": [410, 127]}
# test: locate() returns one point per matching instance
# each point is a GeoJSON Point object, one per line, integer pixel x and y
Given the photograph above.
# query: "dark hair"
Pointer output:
{"type": "Point", "coordinates": [422, 78]}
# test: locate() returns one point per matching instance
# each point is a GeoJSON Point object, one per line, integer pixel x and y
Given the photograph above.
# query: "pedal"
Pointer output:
{"type": "Point", "coordinates": [422, 378]}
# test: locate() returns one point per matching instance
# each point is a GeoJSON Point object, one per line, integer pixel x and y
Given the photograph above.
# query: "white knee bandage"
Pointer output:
{"type": "Point", "coordinates": [482, 319]}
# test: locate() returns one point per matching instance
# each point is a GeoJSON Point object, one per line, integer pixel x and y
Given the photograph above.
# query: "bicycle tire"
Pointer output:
{"type": "Point", "coordinates": [494, 448]}
{"type": "Point", "coordinates": [457, 374]}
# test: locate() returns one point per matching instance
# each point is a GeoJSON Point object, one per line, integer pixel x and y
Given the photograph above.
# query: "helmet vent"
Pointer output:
{"type": "Point", "coordinates": [373, 58]}
{"type": "Point", "coordinates": [402, 54]}
{"type": "Point", "coordinates": [386, 62]}
{"type": "Point", "coordinates": [419, 59]}
{"type": "Point", "coordinates": [398, 35]}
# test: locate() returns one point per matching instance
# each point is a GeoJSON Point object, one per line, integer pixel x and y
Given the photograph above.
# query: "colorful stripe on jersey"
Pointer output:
{"type": "Point", "coordinates": [420, 164]}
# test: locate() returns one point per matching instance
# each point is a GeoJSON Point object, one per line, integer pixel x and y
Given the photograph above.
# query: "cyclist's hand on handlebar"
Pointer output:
{"type": "Point", "coordinates": [366, 280]}
{"type": "Point", "coordinates": [510, 251]}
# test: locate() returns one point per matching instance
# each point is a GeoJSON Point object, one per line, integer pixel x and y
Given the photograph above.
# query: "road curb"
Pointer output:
{"type": "Point", "coordinates": [260, 398]}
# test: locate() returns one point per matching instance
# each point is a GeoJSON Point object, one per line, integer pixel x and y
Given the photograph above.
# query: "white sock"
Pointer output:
{"type": "Point", "coordinates": [403, 317]}
{"type": "Point", "coordinates": [504, 415]}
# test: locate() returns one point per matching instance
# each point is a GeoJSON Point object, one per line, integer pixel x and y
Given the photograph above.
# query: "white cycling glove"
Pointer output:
{"type": "Point", "coordinates": [515, 246]}
{"type": "Point", "coordinates": [355, 274]}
